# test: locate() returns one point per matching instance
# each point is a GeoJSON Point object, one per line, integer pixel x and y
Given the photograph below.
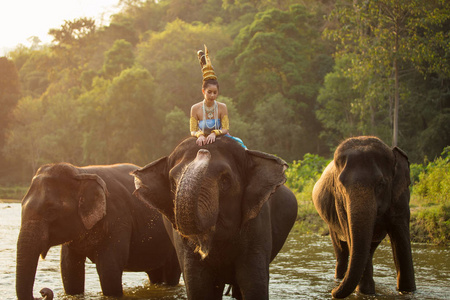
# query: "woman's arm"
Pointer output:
{"type": "Point", "coordinates": [195, 131]}
{"type": "Point", "coordinates": [193, 123]}
{"type": "Point", "coordinates": [223, 115]}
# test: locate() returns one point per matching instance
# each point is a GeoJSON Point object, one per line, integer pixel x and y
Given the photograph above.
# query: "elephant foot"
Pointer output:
{"type": "Point", "coordinates": [366, 288]}
{"type": "Point", "coordinates": [407, 286]}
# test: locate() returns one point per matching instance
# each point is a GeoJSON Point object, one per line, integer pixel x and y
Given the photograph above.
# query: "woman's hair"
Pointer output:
{"type": "Point", "coordinates": [210, 81]}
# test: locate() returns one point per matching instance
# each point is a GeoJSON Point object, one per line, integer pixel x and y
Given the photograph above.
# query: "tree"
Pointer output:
{"type": "Point", "coordinates": [275, 58]}
{"type": "Point", "coordinates": [74, 42]}
{"type": "Point", "coordinates": [9, 94]}
{"type": "Point", "coordinates": [119, 119]}
{"type": "Point", "coordinates": [35, 71]}
{"type": "Point", "coordinates": [347, 109]}
{"type": "Point", "coordinates": [176, 127]}
{"type": "Point", "coordinates": [274, 114]}
{"type": "Point", "coordinates": [171, 57]}
{"type": "Point", "coordinates": [24, 138]}
{"type": "Point", "coordinates": [118, 58]}
{"type": "Point", "coordinates": [388, 37]}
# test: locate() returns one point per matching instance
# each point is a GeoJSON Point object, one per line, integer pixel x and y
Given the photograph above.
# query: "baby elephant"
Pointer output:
{"type": "Point", "coordinates": [91, 211]}
{"type": "Point", "coordinates": [363, 195]}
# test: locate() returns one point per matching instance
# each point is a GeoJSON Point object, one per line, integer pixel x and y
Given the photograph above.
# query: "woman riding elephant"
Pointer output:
{"type": "Point", "coordinates": [228, 213]}
{"type": "Point", "coordinates": [209, 118]}
{"type": "Point", "coordinates": [91, 211]}
{"type": "Point", "coordinates": [363, 195]}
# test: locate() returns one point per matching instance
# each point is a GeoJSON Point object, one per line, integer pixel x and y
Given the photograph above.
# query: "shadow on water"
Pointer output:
{"type": "Point", "coordinates": [303, 270]}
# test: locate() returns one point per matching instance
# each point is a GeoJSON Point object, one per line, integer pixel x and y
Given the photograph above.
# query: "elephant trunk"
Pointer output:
{"type": "Point", "coordinates": [361, 213]}
{"type": "Point", "coordinates": [196, 200]}
{"type": "Point", "coordinates": [30, 244]}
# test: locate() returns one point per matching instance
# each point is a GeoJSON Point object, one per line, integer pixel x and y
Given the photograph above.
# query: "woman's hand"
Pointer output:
{"type": "Point", "coordinates": [211, 138]}
{"type": "Point", "coordinates": [201, 140]}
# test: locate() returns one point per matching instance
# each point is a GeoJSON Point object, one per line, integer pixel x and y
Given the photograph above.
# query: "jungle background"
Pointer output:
{"type": "Point", "coordinates": [298, 77]}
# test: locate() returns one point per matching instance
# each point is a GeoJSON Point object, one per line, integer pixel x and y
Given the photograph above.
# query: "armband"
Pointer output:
{"type": "Point", "coordinates": [225, 122]}
{"type": "Point", "coordinates": [193, 124]}
{"type": "Point", "coordinates": [218, 132]}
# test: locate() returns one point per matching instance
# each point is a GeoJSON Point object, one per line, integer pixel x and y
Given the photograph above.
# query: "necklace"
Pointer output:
{"type": "Point", "coordinates": [209, 110]}
{"type": "Point", "coordinates": [212, 113]}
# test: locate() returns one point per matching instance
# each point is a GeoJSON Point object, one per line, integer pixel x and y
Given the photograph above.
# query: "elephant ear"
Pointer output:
{"type": "Point", "coordinates": [153, 186]}
{"type": "Point", "coordinates": [91, 199]}
{"type": "Point", "coordinates": [265, 173]}
{"type": "Point", "coordinates": [402, 178]}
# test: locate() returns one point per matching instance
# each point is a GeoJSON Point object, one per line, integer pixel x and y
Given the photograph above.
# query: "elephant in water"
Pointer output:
{"type": "Point", "coordinates": [363, 195]}
{"type": "Point", "coordinates": [227, 210]}
{"type": "Point", "coordinates": [91, 211]}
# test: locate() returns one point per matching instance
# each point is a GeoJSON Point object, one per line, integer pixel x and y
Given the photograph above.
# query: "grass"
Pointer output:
{"type": "Point", "coordinates": [12, 193]}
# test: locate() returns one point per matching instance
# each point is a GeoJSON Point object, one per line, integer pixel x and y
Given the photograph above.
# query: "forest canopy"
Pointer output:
{"type": "Point", "coordinates": [298, 77]}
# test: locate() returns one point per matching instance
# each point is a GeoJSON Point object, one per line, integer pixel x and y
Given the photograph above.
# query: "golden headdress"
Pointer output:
{"type": "Point", "coordinates": [205, 63]}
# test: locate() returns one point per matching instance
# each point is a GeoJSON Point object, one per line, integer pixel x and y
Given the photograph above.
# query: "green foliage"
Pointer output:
{"type": "Point", "coordinates": [170, 56]}
{"type": "Point", "coordinates": [281, 117]}
{"type": "Point", "coordinates": [433, 185]}
{"type": "Point", "coordinates": [395, 46]}
{"type": "Point", "coordinates": [24, 139]}
{"type": "Point", "coordinates": [122, 92]}
{"type": "Point", "coordinates": [430, 199]}
{"type": "Point", "coordinates": [118, 58]}
{"type": "Point", "coordinates": [431, 225]}
{"type": "Point", "coordinates": [176, 121]}
{"type": "Point", "coordinates": [274, 78]}
{"type": "Point", "coordinates": [302, 172]}
{"type": "Point", "coordinates": [301, 177]}
{"type": "Point", "coordinates": [9, 94]}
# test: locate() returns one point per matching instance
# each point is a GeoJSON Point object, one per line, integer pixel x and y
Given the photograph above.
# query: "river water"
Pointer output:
{"type": "Point", "coordinates": [304, 269]}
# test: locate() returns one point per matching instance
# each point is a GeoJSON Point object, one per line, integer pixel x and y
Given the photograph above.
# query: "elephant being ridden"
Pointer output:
{"type": "Point", "coordinates": [227, 210]}
{"type": "Point", "coordinates": [91, 211]}
{"type": "Point", "coordinates": [363, 195]}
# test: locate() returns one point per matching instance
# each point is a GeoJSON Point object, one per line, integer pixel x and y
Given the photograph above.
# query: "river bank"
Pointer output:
{"type": "Point", "coordinates": [304, 269]}
{"type": "Point", "coordinates": [428, 225]}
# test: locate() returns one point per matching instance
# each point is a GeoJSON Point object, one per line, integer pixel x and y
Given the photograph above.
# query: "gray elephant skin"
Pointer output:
{"type": "Point", "coordinates": [363, 194]}
{"type": "Point", "coordinates": [91, 211]}
{"type": "Point", "coordinates": [228, 211]}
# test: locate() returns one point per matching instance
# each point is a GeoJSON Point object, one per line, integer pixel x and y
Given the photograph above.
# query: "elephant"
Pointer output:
{"type": "Point", "coordinates": [92, 212]}
{"type": "Point", "coordinates": [363, 195]}
{"type": "Point", "coordinates": [227, 211]}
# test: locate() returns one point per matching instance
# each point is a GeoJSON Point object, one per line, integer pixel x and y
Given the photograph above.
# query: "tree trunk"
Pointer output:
{"type": "Point", "coordinates": [396, 104]}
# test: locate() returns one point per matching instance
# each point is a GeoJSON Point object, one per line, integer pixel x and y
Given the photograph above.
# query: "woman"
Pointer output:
{"type": "Point", "coordinates": [209, 118]}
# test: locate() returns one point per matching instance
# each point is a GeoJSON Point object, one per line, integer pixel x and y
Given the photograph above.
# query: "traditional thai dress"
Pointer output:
{"type": "Point", "coordinates": [206, 126]}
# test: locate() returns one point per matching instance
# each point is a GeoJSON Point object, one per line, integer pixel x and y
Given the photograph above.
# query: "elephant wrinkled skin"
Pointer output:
{"type": "Point", "coordinates": [363, 195]}
{"type": "Point", "coordinates": [227, 210]}
{"type": "Point", "coordinates": [91, 211]}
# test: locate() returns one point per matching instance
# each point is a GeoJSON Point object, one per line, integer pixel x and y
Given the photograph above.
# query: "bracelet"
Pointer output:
{"type": "Point", "coordinates": [199, 133]}
{"type": "Point", "coordinates": [218, 132]}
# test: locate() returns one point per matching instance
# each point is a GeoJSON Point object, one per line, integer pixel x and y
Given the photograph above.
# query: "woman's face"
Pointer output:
{"type": "Point", "coordinates": [211, 92]}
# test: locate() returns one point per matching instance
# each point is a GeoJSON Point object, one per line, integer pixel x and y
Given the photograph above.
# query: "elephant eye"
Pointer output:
{"type": "Point", "coordinates": [380, 187]}
{"type": "Point", "coordinates": [225, 182]}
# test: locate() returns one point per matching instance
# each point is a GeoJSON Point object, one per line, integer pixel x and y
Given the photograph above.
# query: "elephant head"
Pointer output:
{"type": "Point", "coordinates": [209, 192]}
{"type": "Point", "coordinates": [61, 204]}
{"type": "Point", "coordinates": [362, 195]}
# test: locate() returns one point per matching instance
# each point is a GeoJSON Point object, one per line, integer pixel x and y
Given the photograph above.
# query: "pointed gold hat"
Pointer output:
{"type": "Point", "coordinates": [205, 63]}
